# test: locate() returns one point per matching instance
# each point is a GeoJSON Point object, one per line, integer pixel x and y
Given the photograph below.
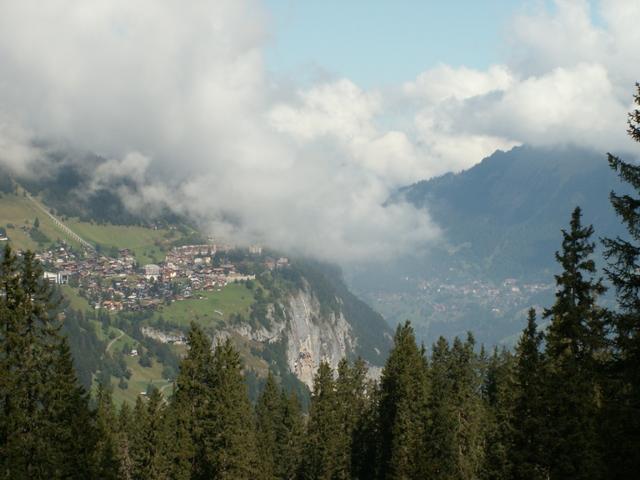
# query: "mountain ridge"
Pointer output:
{"type": "Point", "coordinates": [501, 221]}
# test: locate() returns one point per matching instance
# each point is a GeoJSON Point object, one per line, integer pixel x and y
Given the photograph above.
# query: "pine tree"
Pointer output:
{"type": "Point", "coordinates": [351, 400]}
{"type": "Point", "coordinates": [279, 432]}
{"type": "Point", "coordinates": [148, 442]}
{"type": "Point", "coordinates": [107, 462]}
{"type": "Point", "coordinates": [156, 438]}
{"type": "Point", "coordinates": [622, 440]}
{"type": "Point", "coordinates": [292, 434]}
{"type": "Point", "coordinates": [366, 436]}
{"type": "Point", "coordinates": [574, 342]}
{"type": "Point", "coordinates": [440, 434]}
{"type": "Point", "coordinates": [528, 455]}
{"type": "Point", "coordinates": [125, 437]}
{"type": "Point", "coordinates": [321, 445]}
{"type": "Point", "coordinates": [70, 423]}
{"type": "Point", "coordinates": [228, 423]}
{"type": "Point", "coordinates": [180, 454]}
{"type": "Point", "coordinates": [269, 416]}
{"type": "Point", "coordinates": [45, 427]}
{"type": "Point", "coordinates": [456, 414]}
{"type": "Point", "coordinates": [189, 406]}
{"type": "Point", "coordinates": [498, 396]}
{"type": "Point", "coordinates": [403, 409]}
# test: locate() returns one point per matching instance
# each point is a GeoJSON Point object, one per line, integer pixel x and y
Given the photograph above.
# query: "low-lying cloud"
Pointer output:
{"type": "Point", "coordinates": [178, 97]}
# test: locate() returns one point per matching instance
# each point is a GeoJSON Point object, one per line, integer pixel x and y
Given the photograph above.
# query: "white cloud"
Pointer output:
{"type": "Point", "coordinates": [179, 95]}
{"type": "Point", "coordinates": [445, 82]}
{"type": "Point", "coordinates": [16, 151]}
{"type": "Point", "coordinates": [568, 81]}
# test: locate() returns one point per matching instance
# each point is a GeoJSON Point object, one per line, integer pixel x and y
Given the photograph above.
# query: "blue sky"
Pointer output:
{"type": "Point", "coordinates": [381, 42]}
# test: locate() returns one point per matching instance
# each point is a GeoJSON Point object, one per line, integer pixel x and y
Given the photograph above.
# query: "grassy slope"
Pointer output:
{"type": "Point", "coordinates": [140, 379]}
{"type": "Point", "coordinates": [234, 298]}
{"type": "Point", "coordinates": [148, 245]}
{"type": "Point", "coordinates": [21, 212]}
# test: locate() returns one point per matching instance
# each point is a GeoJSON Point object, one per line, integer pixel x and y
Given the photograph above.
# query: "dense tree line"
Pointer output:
{"type": "Point", "coordinates": [564, 404]}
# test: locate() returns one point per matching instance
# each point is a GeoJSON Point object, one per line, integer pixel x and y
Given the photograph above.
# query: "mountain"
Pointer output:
{"type": "Point", "coordinates": [131, 290]}
{"type": "Point", "coordinates": [501, 223]}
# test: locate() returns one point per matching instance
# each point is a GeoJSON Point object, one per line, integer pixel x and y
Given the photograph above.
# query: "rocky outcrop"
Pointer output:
{"type": "Point", "coordinates": [309, 335]}
{"type": "Point", "coordinates": [312, 338]}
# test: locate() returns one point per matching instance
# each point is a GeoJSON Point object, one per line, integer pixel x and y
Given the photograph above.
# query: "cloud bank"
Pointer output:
{"type": "Point", "coordinates": [177, 95]}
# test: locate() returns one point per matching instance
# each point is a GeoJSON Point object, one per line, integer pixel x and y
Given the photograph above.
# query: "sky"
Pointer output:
{"type": "Point", "coordinates": [290, 123]}
{"type": "Point", "coordinates": [378, 43]}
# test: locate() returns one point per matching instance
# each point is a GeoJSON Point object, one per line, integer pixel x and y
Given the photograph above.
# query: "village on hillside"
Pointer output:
{"type": "Point", "coordinates": [117, 284]}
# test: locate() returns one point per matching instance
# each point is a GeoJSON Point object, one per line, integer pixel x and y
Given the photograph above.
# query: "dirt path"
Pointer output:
{"type": "Point", "coordinates": [110, 344]}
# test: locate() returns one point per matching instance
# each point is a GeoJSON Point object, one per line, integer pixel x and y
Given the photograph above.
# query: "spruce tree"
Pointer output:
{"type": "Point", "coordinates": [351, 400]}
{"type": "Point", "coordinates": [366, 436]}
{"type": "Point", "coordinates": [125, 437]}
{"type": "Point", "coordinates": [574, 342]}
{"type": "Point", "coordinates": [149, 445]}
{"type": "Point", "coordinates": [279, 432]}
{"type": "Point", "coordinates": [498, 394]}
{"type": "Point", "coordinates": [528, 454]}
{"type": "Point", "coordinates": [70, 423]}
{"type": "Point", "coordinates": [269, 417]}
{"type": "Point", "coordinates": [107, 461]}
{"type": "Point", "coordinates": [455, 434]}
{"type": "Point", "coordinates": [45, 427]}
{"type": "Point", "coordinates": [323, 431]}
{"type": "Point", "coordinates": [440, 434]}
{"type": "Point", "coordinates": [189, 407]}
{"type": "Point", "coordinates": [228, 423]}
{"type": "Point", "coordinates": [403, 409]}
{"type": "Point", "coordinates": [622, 440]}
{"type": "Point", "coordinates": [291, 437]}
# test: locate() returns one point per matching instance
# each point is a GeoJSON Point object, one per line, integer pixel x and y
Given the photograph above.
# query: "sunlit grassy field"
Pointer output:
{"type": "Point", "coordinates": [147, 244]}
{"type": "Point", "coordinates": [215, 308]}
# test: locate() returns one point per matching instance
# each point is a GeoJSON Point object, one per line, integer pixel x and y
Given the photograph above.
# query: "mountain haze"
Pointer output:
{"type": "Point", "coordinates": [501, 223]}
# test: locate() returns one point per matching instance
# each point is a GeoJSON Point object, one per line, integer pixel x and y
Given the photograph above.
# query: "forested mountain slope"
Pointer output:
{"type": "Point", "coordinates": [501, 223]}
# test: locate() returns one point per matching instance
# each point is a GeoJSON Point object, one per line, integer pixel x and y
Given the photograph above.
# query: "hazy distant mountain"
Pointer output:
{"type": "Point", "coordinates": [504, 215]}
{"type": "Point", "coordinates": [501, 220]}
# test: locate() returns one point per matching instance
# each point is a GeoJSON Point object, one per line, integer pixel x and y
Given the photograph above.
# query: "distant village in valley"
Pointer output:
{"type": "Point", "coordinates": [121, 284]}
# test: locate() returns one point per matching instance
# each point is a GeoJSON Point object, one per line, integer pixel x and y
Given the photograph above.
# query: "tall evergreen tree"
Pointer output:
{"type": "Point", "coordinates": [574, 342]}
{"type": "Point", "coordinates": [45, 426]}
{"type": "Point", "coordinates": [322, 436]}
{"type": "Point", "coordinates": [291, 436]}
{"type": "Point", "coordinates": [229, 427]}
{"type": "Point", "coordinates": [623, 256]}
{"type": "Point", "coordinates": [456, 414]}
{"type": "Point", "coordinates": [107, 459]}
{"type": "Point", "coordinates": [403, 409]}
{"type": "Point", "coordinates": [269, 417]}
{"type": "Point", "coordinates": [70, 423]}
{"type": "Point", "coordinates": [189, 407]}
{"type": "Point", "coordinates": [279, 432]}
{"type": "Point", "coordinates": [498, 395]}
{"type": "Point", "coordinates": [527, 454]}
{"type": "Point", "coordinates": [351, 400]}
{"type": "Point", "coordinates": [125, 436]}
{"type": "Point", "coordinates": [366, 436]}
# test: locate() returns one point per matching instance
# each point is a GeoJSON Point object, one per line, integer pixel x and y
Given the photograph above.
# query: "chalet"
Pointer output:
{"type": "Point", "coordinates": [151, 271]}
{"type": "Point", "coordinates": [50, 277]}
